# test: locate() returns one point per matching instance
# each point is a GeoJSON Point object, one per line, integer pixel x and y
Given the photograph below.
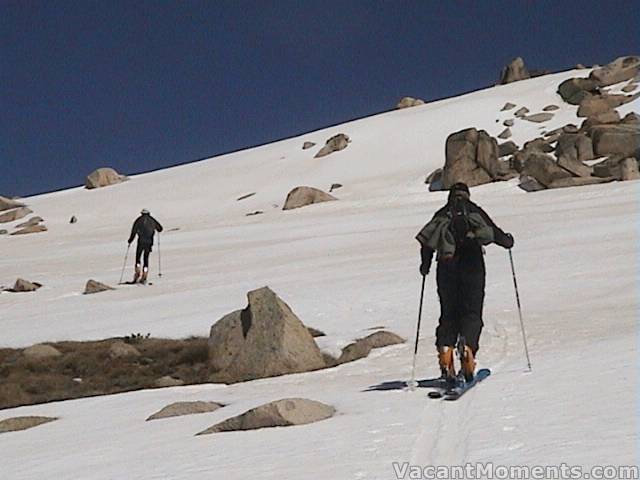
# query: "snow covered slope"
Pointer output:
{"type": "Point", "coordinates": [343, 267]}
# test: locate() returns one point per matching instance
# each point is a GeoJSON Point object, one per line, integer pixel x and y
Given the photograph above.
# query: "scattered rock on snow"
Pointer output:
{"type": "Point", "coordinates": [16, 424]}
{"type": "Point", "coordinates": [334, 186]}
{"type": "Point", "coordinates": [15, 214]}
{"type": "Point", "coordinates": [521, 112]}
{"type": "Point", "coordinates": [538, 117]}
{"type": "Point", "coordinates": [254, 213]}
{"type": "Point", "coordinates": [8, 203]}
{"type": "Point", "coordinates": [32, 229]}
{"type": "Point", "coordinates": [103, 177]}
{"type": "Point", "coordinates": [550, 108]}
{"type": "Point", "coordinates": [266, 339]}
{"type": "Point", "coordinates": [73, 219]}
{"type": "Point", "coordinates": [530, 184]}
{"type": "Point", "coordinates": [334, 144]}
{"type": "Point", "coordinates": [508, 123]}
{"type": "Point", "coordinates": [22, 285]}
{"type": "Point", "coordinates": [508, 106]}
{"type": "Point", "coordinates": [94, 286]}
{"type": "Point", "coordinates": [243, 197]}
{"type": "Point", "coordinates": [308, 145]}
{"type": "Point", "coordinates": [631, 87]}
{"type": "Point", "coordinates": [179, 409]}
{"type": "Point", "coordinates": [362, 347]}
{"type": "Point", "coordinates": [280, 413]}
{"type": "Point", "coordinates": [30, 222]}
{"type": "Point", "coordinates": [506, 133]}
{"type": "Point", "coordinates": [303, 196]}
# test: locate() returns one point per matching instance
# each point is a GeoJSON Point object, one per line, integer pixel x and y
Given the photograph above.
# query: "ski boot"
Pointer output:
{"type": "Point", "coordinates": [445, 359]}
{"type": "Point", "coordinates": [145, 272]}
{"type": "Point", "coordinates": [136, 275]}
{"type": "Point", "coordinates": [467, 360]}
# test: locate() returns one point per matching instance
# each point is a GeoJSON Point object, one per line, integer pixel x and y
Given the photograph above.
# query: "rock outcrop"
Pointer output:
{"type": "Point", "coordinates": [303, 196]}
{"type": "Point", "coordinates": [41, 351]}
{"type": "Point", "coordinates": [280, 413]}
{"type": "Point", "coordinates": [103, 177]}
{"type": "Point", "coordinates": [407, 102]}
{"type": "Point", "coordinates": [620, 70]}
{"type": "Point", "coordinates": [266, 339]}
{"type": "Point", "coordinates": [121, 349]}
{"type": "Point", "coordinates": [514, 71]}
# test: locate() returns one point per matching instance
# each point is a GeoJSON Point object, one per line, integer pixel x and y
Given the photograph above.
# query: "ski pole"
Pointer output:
{"type": "Point", "coordinates": [413, 384]}
{"type": "Point", "coordinates": [159, 257]}
{"type": "Point", "coordinates": [124, 264]}
{"type": "Point", "coordinates": [524, 335]}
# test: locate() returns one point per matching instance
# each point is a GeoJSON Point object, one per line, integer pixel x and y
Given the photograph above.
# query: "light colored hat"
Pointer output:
{"type": "Point", "coordinates": [144, 211]}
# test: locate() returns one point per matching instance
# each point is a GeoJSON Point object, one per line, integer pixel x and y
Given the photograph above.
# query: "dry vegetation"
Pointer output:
{"type": "Point", "coordinates": [86, 369]}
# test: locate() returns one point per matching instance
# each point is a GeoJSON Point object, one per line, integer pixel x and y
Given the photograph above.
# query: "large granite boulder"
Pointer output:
{"type": "Point", "coordinates": [280, 413]}
{"type": "Point", "coordinates": [15, 214]}
{"type": "Point", "coordinates": [103, 177]}
{"type": "Point", "coordinates": [629, 169]}
{"type": "Point", "coordinates": [599, 104]}
{"type": "Point", "coordinates": [620, 70]}
{"type": "Point", "coordinates": [572, 150]}
{"type": "Point", "coordinates": [514, 71]}
{"type": "Point", "coordinates": [544, 169]}
{"type": "Point", "coordinates": [120, 349]}
{"type": "Point", "coordinates": [575, 90]}
{"type": "Point", "coordinates": [334, 144]}
{"type": "Point", "coordinates": [471, 157]}
{"type": "Point", "coordinates": [621, 139]}
{"type": "Point", "coordinates": [303, 196]}
{"type": "Point", "coordinates": [266, 339]}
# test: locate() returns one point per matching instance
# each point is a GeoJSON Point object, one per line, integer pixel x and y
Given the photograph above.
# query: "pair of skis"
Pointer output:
{"type": "Point", "coordinates": [447, 390]}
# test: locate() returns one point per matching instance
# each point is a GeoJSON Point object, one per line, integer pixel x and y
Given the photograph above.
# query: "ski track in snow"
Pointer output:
{"type": "Point", "coordinates": [344, 267]}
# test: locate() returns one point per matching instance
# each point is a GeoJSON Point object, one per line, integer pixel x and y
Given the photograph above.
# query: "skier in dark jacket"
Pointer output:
{"type": "Point", "coordinates": [145, 227]}
{"type": "Point", "coordinates": [457, 233]}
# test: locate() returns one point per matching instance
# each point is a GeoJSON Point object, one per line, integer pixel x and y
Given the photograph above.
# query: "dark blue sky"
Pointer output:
{"type": "Point", "coordinates": [141, 85]}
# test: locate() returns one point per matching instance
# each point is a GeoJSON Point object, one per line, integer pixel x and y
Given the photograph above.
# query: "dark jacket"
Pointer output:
{"type": "Point", "coordinates": [471, 249]}
{"type": "Point", "coordinates": [145, 227]}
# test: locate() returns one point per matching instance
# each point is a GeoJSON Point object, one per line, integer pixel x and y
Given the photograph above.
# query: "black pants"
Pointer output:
{"type": "Point", "coordinates": [143, 248]}
{"type": "Point", "coordinates": [461, 293]}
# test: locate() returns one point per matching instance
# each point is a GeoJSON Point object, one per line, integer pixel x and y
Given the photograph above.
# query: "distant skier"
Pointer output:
{"type": "Point", "coordinates": [457, 232]}
{"type": "Point", "coordinates": [145, 226]}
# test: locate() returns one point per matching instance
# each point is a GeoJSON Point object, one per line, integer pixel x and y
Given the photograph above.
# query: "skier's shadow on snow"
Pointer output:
{"type": "Point", "coordinates": [401, 385]}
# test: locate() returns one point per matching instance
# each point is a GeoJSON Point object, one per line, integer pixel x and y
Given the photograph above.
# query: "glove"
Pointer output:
{"type": "Point", "coordinates": [129, 242]}
{"type": "Point", "coordinates": [509, 242]}
{"type": "Point", "coordinates": [425, 267]}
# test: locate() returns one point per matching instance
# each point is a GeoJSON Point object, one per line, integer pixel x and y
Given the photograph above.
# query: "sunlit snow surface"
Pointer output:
{"type": "Point", "coordinates": [343, 267]}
